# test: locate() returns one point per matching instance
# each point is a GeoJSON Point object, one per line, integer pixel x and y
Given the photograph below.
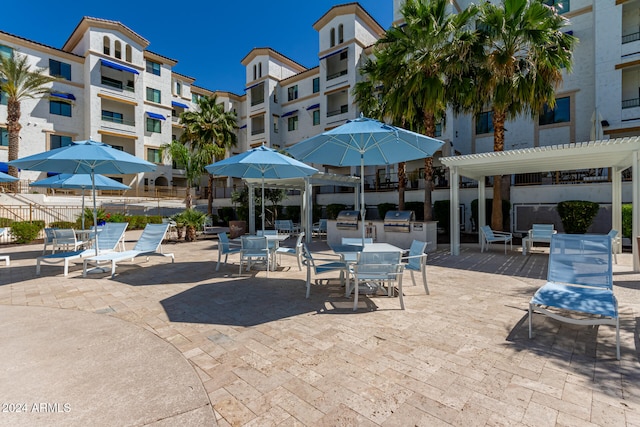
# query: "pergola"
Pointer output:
{"type": "Point", "coordinates": [305, 186]}
{"type": "Point", "coordinates": [617, 154]}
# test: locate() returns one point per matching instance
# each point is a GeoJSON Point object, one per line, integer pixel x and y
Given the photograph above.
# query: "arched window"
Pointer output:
{"type": "Point", "coordinates": [255, 74]}
{"type": "Point", "coordinates": [127, 52]}
{"type": "Point", "coordinates": [340, 33]}
{"type": "Point", "coordinates": [106, 46]}
{"type": "Point", "coordinates": [117, 49]}
{"type": "Point", "coordinates": [332, 37]}
{"type": "Point", "coordinates": [260, 69]}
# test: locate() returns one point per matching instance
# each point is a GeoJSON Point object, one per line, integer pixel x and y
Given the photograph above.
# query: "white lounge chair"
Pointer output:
{"type": "Point", "coordinates": [580, 281]}
{"type": "Point", "coordinates": [109, 238]}
{"type": "Point", "coordinates": [489, 236]}
{"type": "Point", "coordinates": [149, 244]}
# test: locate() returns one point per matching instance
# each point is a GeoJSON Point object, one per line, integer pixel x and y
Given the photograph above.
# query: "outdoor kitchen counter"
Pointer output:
{"type": "Point", "coordinates": [423, 231]}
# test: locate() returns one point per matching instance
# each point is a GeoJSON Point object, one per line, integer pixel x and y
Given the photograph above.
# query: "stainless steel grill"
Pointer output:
{"type": "Point", "coordinates": [398, 221]}
{"type": "Point", "coordinates": [347, 220]}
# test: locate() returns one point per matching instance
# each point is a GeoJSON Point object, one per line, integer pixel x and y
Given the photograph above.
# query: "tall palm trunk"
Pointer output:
{"type": "Point", "coordinates": [429, 130]}
{"type": "Point", "coordinates": [498, 145]}
{"type": "Point", "coordinates": [188, 199]}
{"type": "Point", "coordinates": [402, 180]}
{"type": "Point", "coordinates": [210, 198]}
{"type": "Point", "coordinates": [13, 129]}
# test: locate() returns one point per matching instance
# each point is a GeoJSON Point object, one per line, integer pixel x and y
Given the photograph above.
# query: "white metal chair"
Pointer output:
{"type": "Point", "coordinates": [489, 236]}
{"type": "Point", "coordinates": [49, 236]}
{"type": "Point", "coordinates": [254, 248]}
{"type": "Point", "coordinates": [296, 251]}
{"type": "Point", "coordinates": [322, 265]}
{"type": "Point", "coordinates": [225, 247]}
{"type": "Point", "coordinates": [320, 228]}
{"type": "Point", "coordinates": [416, 261]}
{"type": "Point", "coordinates": [377, 268]}
{"type": "Point", "coordinates": [356, 241]}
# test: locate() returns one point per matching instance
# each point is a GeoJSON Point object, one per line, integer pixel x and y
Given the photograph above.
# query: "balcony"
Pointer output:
{"type": "Point", "coordinates": [336, 74]}
{"type": "Point", "coordinates": [630, 103]}
{"type": "Point", "coordinates": [343, 109]}
{"type": "Point", "coordinates": [629, 38]}
{"type": "Point", "coordinates": [257, 131]}
{"type": "Point", "coordinates": [117, 84]}
{"type": "Point", "coordinates": [118, 120]}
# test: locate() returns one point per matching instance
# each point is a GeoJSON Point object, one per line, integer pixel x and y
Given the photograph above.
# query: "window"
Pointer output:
{"type": "Point", "coordinates": [275, 124]}
{"type": "Point", "coordinates": [340, 33]}
{"type": "Point", "coordinates": [292, 123]}
{"type": "Point", "coordinates": [127, 52]}
{"type": "Point", "coordinates": [257, 94]}
{"type": "Point", "coordinates": [292, 93]}
{"type": "Point", "coordinates": [6, 51]}
{"type": "Point", "coordinates": [117, 49]}
{"type": "Point", "coordinates": [59, 69]}
{"type": "Point", "coordinates": [60, 108]}
{"type": "Point", "coordinates": [316, 85]}
{"type": "Point", "coordinates": [484, 122]}
{"type": "Point", "coordinates": [58, 141]}
{"type": "Point", "coordinates": [438, 131]}
{"type": "Point", "coordinates": [4, 137]}
{"type": "Point", "coordinates": [110, 116]}
{"type": "Point", "coordinates": [344, 55]}
{"type": "Point", "coordinates": [153, 95]}
{"type": "Point", "coordinates": [4, 98]}
{"type": "Point", "coordinates": [255, 72]}
{"type": "Point", "coordinates": [154, 155]}
{"type": "Point", "coordinates": [106, 46]}
{"type": "Point", "coordinates": [178, 88]}
{"type": "Point", "coordinates": [562, 6]}
{"type": "Point", "coordinates": [275, 96]}
{"type": "Point", "coordinates": [259, 69]}
{"type": "Point", "coordinates": [316, 117]}
{"type": "Point", "coordinates": [153, 68]}
{"type": "Point", "coordinates": [154, 125]}
{"type": "Point", "coordinates": [332, 37]}
{"type": "Point", "coordinates": [560, 114]}
{"type": "Point", "coordinates": [119, 148]}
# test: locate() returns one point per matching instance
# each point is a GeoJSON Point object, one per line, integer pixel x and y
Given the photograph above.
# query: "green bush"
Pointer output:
{"type": "Point", "coordinates": [383, 208]}
{"type": "Point", "coordinates": [293, 213]}
{"type": "Point", "coordinates": [62, 224]}
{"type": "Point", "coordinates": [5, 222]}
{"type": "Point", "coordinates": [334, 209]}
{"type": "Point", "coordinates": [116, 217]}
{"type": "Point", "coordinates": [577, 215]}
{"type": "Point", "coordinates": [227, 214]}
{"type": "Point", "coordinates": [25, 231]}
{"type": "Point", "coordinates": [506, 208]}
{"type": "Point", "coordinates": [441, 214]}
{"type": "Point", "coordinates": [417, 208]}
{"type": "Point", "coordinates": [627, 220]}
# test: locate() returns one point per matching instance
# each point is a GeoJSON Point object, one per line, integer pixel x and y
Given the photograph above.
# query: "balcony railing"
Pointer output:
{"type": "Point", "coordinates": [336, 75]}
{"type": "Point", "coordinates": [257, 131]}
{"type": "Point", "coordinates": [631, 103]}
{"type": "Point", "coordinates": [343, 109]}
{"type": "Point", "coordinates": [630, 38]}
{"type": "Point", "coordinates": [118, 120]}
{"type": "Point", "coordinates": [117, 84]}
{"type": "Point", "coordinates": [255, 102]}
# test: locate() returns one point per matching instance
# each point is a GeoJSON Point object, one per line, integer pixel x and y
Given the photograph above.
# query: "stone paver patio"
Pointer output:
{"type": "Point", "coordinates": [266, 356]}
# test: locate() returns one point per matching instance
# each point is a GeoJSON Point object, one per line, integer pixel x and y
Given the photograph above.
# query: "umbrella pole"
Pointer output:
{"type": "Point", "coordinates": [263, 203]}
{"type": "Point", "coordinates": [362, 209]}
{"type": "Point", "coordinates": [95, 211]}
{"type": "Point", "coordinates": [82, 214]}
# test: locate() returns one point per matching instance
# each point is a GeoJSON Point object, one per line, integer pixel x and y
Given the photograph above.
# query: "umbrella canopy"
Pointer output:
{"type": "Point", "coordinates": [7, 178]}
{"type": "Point", "coordinates": [261, 162]}
{"type": "Point", "coordinates": [365, 142]}
{"type": "Point", "coordinates": [80, 181]}
{"type": "Point", "coordinates": [85, 157]}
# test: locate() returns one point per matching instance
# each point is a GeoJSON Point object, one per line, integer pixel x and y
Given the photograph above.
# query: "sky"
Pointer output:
{"type": "Point", "coordinates": [208, 38]}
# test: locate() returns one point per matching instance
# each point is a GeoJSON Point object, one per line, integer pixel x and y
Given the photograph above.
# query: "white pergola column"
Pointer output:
{"type": "Point", "coordinates": [636, 213]}
{"type": "Point", "coordinates": [454, 210]}
{"type": "Point", "coordinates": [482, 205]}
{"type": "Point", "coordinates": [616, 204]}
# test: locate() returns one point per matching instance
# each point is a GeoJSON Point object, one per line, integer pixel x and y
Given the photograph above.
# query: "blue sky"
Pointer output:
{"type": "Point", "coordinates": [207, 38]}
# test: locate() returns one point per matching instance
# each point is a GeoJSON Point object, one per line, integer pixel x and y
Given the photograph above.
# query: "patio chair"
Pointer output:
{"type": "Point", "coordinates": [48, 239]}
{"type": "Point", "coordinates": [109, 238]}
{"type": "Point", "coordinates": [225, 247]}
{"type": "Point", "coordinates": [296, 251]}
{"type": "Point", "coordinates": [286, 226]}
{"type": "Point", "coordinates": [65, 239]}
{"type": "Point", "coordinates": [149, 243]}
{"type": "Point", "coordinates": [254, 248]}
{"type": "Point", "coordinates": [416, 261]}
{"type": "Point", "coordinates": [579, 288]}
{"type": "Point", "coordinates": [357, 241]}
{"type": "Point", "coordinates": [488, 236]}
{"type": "Point", "coordinates": [207, 226]}
{"type": "Point", "coordinates": [539, 233]}
{"type": "Point", "coordinates": [616, 242]}
{"type": "Point", "coordinates": [319, 228]}
{"type": "Point", "coordinates": [377, 269]}
{"type": "Point", "coordinates": [322, 265]}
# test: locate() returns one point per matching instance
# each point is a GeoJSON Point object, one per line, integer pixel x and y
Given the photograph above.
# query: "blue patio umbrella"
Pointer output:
{"type": "Point", "coordinates": [261, 162]}
{"type": "Point", "coordinates": [80, 181]}
{"type": "Point", "coordinates": [7, 178]}
{"type": "Point", "coordinates": [364, 142]}
{"type": "Point", "coordinates": [85, 157]}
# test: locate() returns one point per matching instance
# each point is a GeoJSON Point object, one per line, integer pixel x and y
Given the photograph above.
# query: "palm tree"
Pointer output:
{"type": "Point", "coordinates": [18, 81]}
{"type": "Point", "coordinates": [523, 53]}
{"type": "Point", "coordinates": [415, 65]}
{"type": "Point", "coordinates": [210, 129]}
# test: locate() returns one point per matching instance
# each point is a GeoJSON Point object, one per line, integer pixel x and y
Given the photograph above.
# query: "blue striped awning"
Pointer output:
{"type": "Point", "coordinates": [313, 107]}
{"type": "Point", "coordinates": [118, 66]}
{"type": "Point", "coordinates": [288, 113]}
{"type": "Point", "coordinates": [179, 104]}
{"type": "Point", "coordinates": [4, 167]}
{"type": "Point", "coordinates": [155, 115]}
{"type": "Point", "coordinates": [243, 127]}
{"type": "Point", "coordinates": [333, 53]}
{"type": "Point", "coordinates": [253, 85]}
{"type": "Point", "coordinates": [68, 96]}
{"type": "Point", "coordinates": [570, 32]}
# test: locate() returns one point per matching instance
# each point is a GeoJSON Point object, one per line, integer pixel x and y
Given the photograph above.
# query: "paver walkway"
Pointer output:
{"type": "Point", "coordinates": [265, 355]}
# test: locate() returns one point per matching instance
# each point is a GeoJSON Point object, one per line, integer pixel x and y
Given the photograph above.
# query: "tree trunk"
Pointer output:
{"type": "Point", "coordinates": [13, 129]}
{"type": "Point", "coordinates": [190, 235]}
{"type": "Point", "coordinates": [429, 130]}
{"type": "Point", "coordinates": [210, 199]}
{"type": "Point", "coordinates": [188, 200]}
{"type": "Point", "coordinates": [402, 182]}
{"type": "Point", "coordinates": [498, 145]}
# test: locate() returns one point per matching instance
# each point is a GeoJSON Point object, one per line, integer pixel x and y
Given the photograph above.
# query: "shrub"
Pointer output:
{"type": "Point", "coordinates": [577, 215]}
{"type": "Point", "coordinates": [441, 214]}
{"type": "Point", "coordinates": [334, 209]}
{"type": "Point", "coordinates": [25, 231]}
{"type": "Point", "coordinates": [227, 214]}
{"type": "Point", "coordinates": [383, 208]}
{"type": "Point", "coordinates": [506, 207]}
{"type": "Point", "coordinates": [62, 224]}
{"type": "Point", "coordinates": [417, 208]}
{"type": "Point", "coordinates": [116, 217]}
{"type": "Point", "coordinates": [293, 213]}
{"type": "Point", "coordinates": [627, 220]}
{"type": "Point", "coordinates": [5, 222]}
